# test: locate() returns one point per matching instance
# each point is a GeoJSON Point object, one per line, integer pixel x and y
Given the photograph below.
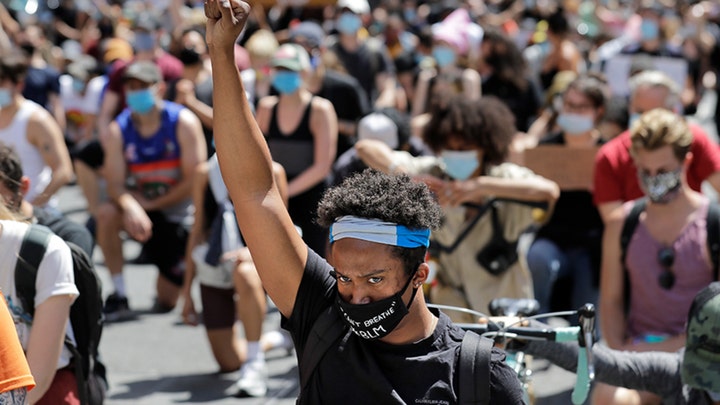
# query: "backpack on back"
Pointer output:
{"type": "Point", "coordinates": [86, 315]}
{"type": "Point", "coordinates": [633, 219]}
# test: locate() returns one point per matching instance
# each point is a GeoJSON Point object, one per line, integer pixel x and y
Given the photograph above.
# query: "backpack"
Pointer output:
{"type": "Point", "coordinates": [86, 315]}
{"type": "Point", "coordinates": [474, 365]}
{"type": "Point", "coordinates": [633, 218]}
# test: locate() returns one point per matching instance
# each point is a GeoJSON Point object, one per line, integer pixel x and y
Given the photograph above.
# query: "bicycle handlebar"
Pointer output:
{"type": "Point", "coordinates": [582, 334]}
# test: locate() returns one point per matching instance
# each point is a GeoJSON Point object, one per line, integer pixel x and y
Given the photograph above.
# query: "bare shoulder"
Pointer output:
{"type": "Point", "coordinates": [322, 104]}
{"type": "Point", "coordinates": [267, 102]}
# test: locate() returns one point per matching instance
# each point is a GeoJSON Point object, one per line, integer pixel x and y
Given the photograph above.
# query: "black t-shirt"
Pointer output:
{"type": "Point", "coordinates": [358, 371]}
{"type": "Point", "coordinates": [349, 100]}
{"type": "Point", "coordinates": [524, 103]}
{"type": "Point", "coordinates": [575, 221]}
{"type": "Point", "coordinates": [365, 64]}
{"type": "Point", "coordinates": [40, 83]}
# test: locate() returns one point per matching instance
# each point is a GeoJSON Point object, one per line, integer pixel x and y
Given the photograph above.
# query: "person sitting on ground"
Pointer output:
{"type": "Point", "coordinates": [380, 233]}
{"type": "Point", "coordinates": [151, 154]}
{"type": "Point", "coordinates": [666, 261]}
{"type": "Point", "coordinates": [688, 376]}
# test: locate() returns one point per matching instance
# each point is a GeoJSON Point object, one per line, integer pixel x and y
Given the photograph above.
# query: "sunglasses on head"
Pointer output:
{"type": "Point", "coordinates": [666, 258]}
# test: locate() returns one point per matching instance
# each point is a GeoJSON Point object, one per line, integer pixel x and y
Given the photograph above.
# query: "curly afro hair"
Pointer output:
{"type": "Point", "coordinates": [487, 123]}
{"type": "Point", "coordinates": [375, 195]}
{"type": "Point", "coordinates": [391, 198]}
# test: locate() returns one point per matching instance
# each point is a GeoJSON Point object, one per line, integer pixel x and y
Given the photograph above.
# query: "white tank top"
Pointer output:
{"type": "Point", "coordinates": [16, 136]}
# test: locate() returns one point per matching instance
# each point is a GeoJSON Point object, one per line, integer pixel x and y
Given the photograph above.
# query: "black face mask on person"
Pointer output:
{"type": "Point", "coordinates": [189, 57]}
{"type": "Point", "coordinates": [377, 319]}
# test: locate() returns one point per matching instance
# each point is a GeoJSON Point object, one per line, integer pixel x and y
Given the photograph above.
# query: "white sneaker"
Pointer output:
{"type": "Point", "coordinates": [252, 381]}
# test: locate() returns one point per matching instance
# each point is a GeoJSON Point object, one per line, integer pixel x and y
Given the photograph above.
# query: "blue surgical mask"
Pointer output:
{"type": "Point", "coordinates": [575, 124]}
{"type": "Point", "coordinates": [460, 165]}
{"type": "Point", "coordinates": [286, 82]}
{"type": "Point", "coordinates": [5, 98]}
{"type": "Point", "coordinates": [144, 42]}
{"type": "Point", "coordinates": [649, 30]}
{"type": "Point", "coordinates": [78, 85]}
{"type": "Point", "coordinates": [714, 396]}
{"type": "Point", "coordinates": [140, 101]}
{"type": "Point", "coordinates": [443, 55]}
{"type": "Point", "coordinates": [349, 23]}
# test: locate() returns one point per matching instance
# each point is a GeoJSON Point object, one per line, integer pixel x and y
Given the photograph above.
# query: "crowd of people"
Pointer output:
{"type": "Point", "coordinates": [341, 159]}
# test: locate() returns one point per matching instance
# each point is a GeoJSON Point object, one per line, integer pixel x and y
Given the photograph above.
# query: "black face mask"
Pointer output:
{"type": "Point", "coordinates": [377, 319]}
{"type": "Point", "coordinates": [189, 56]}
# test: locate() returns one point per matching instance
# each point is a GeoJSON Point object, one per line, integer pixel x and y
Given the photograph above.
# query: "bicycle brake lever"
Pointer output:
{"type": "Point", "coordinates": [585, 369]}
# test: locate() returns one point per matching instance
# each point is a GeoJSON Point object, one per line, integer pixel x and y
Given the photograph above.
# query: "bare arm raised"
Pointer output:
{"type": "Point", "coordinates": [277, 249]}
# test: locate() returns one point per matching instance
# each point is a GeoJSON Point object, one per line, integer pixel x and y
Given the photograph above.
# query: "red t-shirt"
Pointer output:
{"type": "Point", "coordinates": [615, 177]}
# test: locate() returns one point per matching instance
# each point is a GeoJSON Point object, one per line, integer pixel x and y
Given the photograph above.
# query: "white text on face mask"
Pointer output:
{"type": "Point", "coordinates": [380, 317]}
{"type": "Point", "coordinates": [373, 334]}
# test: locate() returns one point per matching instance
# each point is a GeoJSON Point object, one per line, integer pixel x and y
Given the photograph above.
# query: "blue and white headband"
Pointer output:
{"type": "Point", "coordinates": [375, 230]}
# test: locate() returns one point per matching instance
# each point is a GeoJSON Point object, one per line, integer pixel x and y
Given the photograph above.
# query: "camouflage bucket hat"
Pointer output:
{"type": "Point", "coordinates": [701, 361]}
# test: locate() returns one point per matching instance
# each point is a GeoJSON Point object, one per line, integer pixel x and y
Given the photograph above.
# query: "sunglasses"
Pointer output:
{"type": "Point", "coordinates": [666, 258]}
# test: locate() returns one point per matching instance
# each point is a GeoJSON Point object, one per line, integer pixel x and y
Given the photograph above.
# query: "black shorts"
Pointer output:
{"type": "Point", "coordinates": [166, 247]}
{"type": "Point", "coordinates": [91, 154]}
{"type": "Point", "coordinates": [218, 307]}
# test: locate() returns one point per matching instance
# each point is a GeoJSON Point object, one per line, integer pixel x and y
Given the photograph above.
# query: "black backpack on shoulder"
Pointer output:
{"type": "Point", "coordinates": [86, 316]}
{"type": "Point", "coordinates": [473, 368]}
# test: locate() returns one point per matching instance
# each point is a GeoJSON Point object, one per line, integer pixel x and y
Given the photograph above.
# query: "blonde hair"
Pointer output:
{"type": "Point", "coordinates": [262, 44]}
{"type": "Point", "coordinates": [658, 128]}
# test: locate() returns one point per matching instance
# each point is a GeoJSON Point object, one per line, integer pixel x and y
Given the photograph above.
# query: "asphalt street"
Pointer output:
{"type": "Point", "coordinates": [156, 360]}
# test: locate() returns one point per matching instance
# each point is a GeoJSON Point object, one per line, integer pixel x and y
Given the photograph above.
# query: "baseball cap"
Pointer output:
{"type": "Point", "coordinates": [356, 6]}
{"type": "Point", "coordinates": [82, 68]}
{"type": "Point", "coordinates": [311, 32]}
{"type": "Point", "coordinates": [145, 71]}
{"type": "Point", "coordinates": [116, 48]}
{"type": "Point", "coordinates": [380, 127]}
{"type": "Point", "coordinates": [292, 57]}
{"type": "Point", "coordinates": [701, 361]}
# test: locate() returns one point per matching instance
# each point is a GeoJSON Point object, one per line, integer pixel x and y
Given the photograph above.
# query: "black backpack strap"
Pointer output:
{"type": "Point", "coordinates": [713, 236]}
{"type": "Point", "coordinates": [630, 223]}
{"type": "Point", "coordinates": [474, 369]}
{"type": "Point", "coordinates": [326, 330]}
{"type": "Point", "coordinates": [32, 250]}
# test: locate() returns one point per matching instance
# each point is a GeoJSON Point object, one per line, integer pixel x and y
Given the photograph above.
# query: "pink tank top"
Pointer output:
{"type": "Point", "coordinates": [654, 310]}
